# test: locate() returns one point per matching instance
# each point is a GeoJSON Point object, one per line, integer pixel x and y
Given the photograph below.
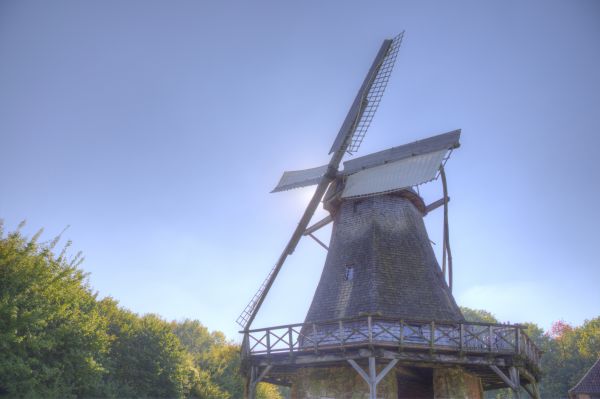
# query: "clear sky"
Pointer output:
{"type": "Point", "coordinates": [156, 130]}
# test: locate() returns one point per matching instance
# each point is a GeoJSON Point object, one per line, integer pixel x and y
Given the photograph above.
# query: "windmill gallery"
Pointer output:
{"type": "Point", "coordinates": [383, 322]}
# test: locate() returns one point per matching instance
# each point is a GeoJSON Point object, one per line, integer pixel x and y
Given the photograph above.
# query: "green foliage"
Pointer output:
{"type": "Point", "coordinates": [478, 315]}
{"type": "Point", "coordinates": [218, 361]}
{"type": "Point", "coordinates": [568, 353]}
{"type": "Point", "coordinates": [52, 337]}
{"type": "Point", "coordinates": [146, 358]}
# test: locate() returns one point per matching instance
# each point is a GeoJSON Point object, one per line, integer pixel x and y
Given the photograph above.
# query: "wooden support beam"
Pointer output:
{"type": "Point", "coordinates": [359, 370]}
{"type": "Point", "coordinates": [319, 242]}
{"type": "Point", "coordinates": [425, 358]}
{"type": "Point", "coordinates": [386, 370]}
{"type": "Point", "coordinates": [514, 376]}
{"type": "Point", "coordinates": [276, 381]}
{"type": "Point", "coordinates": [430, 359]}
{"type": "Point", "coordinates": [536, 390]}
{"type": "Point", "coordinates": [372, 378]}
{"type": "Point", "coordinates": [264, 372]}
{"type": "Point", "coordinates": [503, 376]}
{"type": "Point", "coordinates": [255, 378]}
{"type": "Point", "coordinates": [250, 387]}
{"type": "Point", "coordinates": [528, 376]}
{"type": "Point", "coordinates": [529, 391]}
{"type": "Point", "coordinates": [321, 223]}
{"type": "Point", "coordinates": [436, 204]}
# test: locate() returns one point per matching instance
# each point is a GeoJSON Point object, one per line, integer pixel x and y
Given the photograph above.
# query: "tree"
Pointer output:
{"type": "Point", "coordinates": [218, 362]}
{"type": "Point", "coordinates": [146, 358]}
{"type": "Point", "coordinates": [478, 315]}
{"type": "Point", "coordinates": [52, 338]}
{"type": "Point", "coordinates": [569, 353]}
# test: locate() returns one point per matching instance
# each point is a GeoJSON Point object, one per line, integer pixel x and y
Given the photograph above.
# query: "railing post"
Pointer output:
{"type": "Point", "coordinates": [370, 324]}
{"type": "Point", "coordinates": [315, 338]}
{"type": "Point", "coordinates": [268, 342]}
{"type": "Point", "coordinates": [401, 334]}
{"type": "Point", "coordinates": [518, 342]}
{"type": "Point", "coordinates": [291, 340]}
{"type": "Point", "coordinates": [246, 345]}
{"type": "Point", "coordinates": [491, 332]}
{"type": "Point", "coordinates": [432, 336]}
{"type": "Point", "coordinates": [461, 336]}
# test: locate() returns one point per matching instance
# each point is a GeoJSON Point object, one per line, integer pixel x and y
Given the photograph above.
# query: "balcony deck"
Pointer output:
{"type": "Point", "coordinates": [482, 348]}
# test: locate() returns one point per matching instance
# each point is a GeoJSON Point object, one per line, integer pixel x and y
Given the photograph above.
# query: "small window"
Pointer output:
{"type": "Point", "coordinates": [349, 274]}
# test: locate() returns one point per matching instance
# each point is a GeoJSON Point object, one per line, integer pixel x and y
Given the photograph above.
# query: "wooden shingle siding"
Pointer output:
{"type": "Point", "coordinates": [395, 272]}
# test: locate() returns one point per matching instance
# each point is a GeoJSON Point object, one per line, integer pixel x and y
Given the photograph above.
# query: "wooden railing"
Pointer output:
{"type": "Point", "coordinates": [372, 331]}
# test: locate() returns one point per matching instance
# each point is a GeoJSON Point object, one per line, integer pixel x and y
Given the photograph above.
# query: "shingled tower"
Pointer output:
{"type": "Point", "coordinates": [380, 262]}
{"type": "Point", "coordinates": [383, 322]}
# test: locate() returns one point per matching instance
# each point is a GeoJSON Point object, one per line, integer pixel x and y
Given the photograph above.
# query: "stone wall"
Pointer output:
{"type": "Point", "coordinates": [402, 382]}
{"type": "Point", "coordinates": [339, 383]}
{"type": "Point", "coordinates": [455, 383]}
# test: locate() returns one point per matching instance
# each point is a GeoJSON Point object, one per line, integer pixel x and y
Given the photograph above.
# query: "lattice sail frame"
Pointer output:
{"type": "Point", "coordinates": [373, 97]}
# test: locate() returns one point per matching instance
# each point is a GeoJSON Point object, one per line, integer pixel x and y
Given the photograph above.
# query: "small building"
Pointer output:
{"type": "Point", "coordinates": [589, 385]}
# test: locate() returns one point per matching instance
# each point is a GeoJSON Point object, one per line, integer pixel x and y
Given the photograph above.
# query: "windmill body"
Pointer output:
{"type": "Point", "coordinates": [382, 314]}
{"type": "Point", "coordinates": [380, 262]}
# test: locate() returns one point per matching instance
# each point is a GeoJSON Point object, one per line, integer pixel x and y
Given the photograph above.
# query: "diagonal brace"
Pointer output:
{"type": "Point", "coordinates": [372, 378]}
{"type": "Point", "coordinates": [529, 391]}
{"type": "Point", "coordinates": [503, 376]}
{"type": "Point", "coordinates": [254, 380]}
{"type": "Point", "coordinates": [321, 243]}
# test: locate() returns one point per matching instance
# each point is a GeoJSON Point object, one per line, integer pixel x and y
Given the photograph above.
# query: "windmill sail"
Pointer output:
{"type": "Point", "coordinates": [243, 318]}
{"type": "Point", "coordinates": [300, 178]}
{"type": "Point", "coordinates": [394, 176]}
{"type": "Point", "coordinates": [398, 167]}
{"type": "Point", "coordinates": [446, 141]}
{"type": "Point", "coordinates": [368, 98]}
{"type": "Point", "coordinates": [374, 95]}
{"type": "Point", "coordinates": [387, 177]}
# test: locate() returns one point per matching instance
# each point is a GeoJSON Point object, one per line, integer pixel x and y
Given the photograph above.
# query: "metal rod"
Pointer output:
{"type": "Point", "coordinates": [321, 223]}
{"type": "Point", "coordinates": [446, 231]}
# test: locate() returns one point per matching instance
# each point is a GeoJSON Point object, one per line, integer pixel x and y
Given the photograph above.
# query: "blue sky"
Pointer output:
{"type": "Point", "coordinates": [157, 129]}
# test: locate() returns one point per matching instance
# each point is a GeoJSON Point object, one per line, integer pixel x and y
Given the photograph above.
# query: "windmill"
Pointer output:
{"type": "Point", "coordinates": [381, 286]}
